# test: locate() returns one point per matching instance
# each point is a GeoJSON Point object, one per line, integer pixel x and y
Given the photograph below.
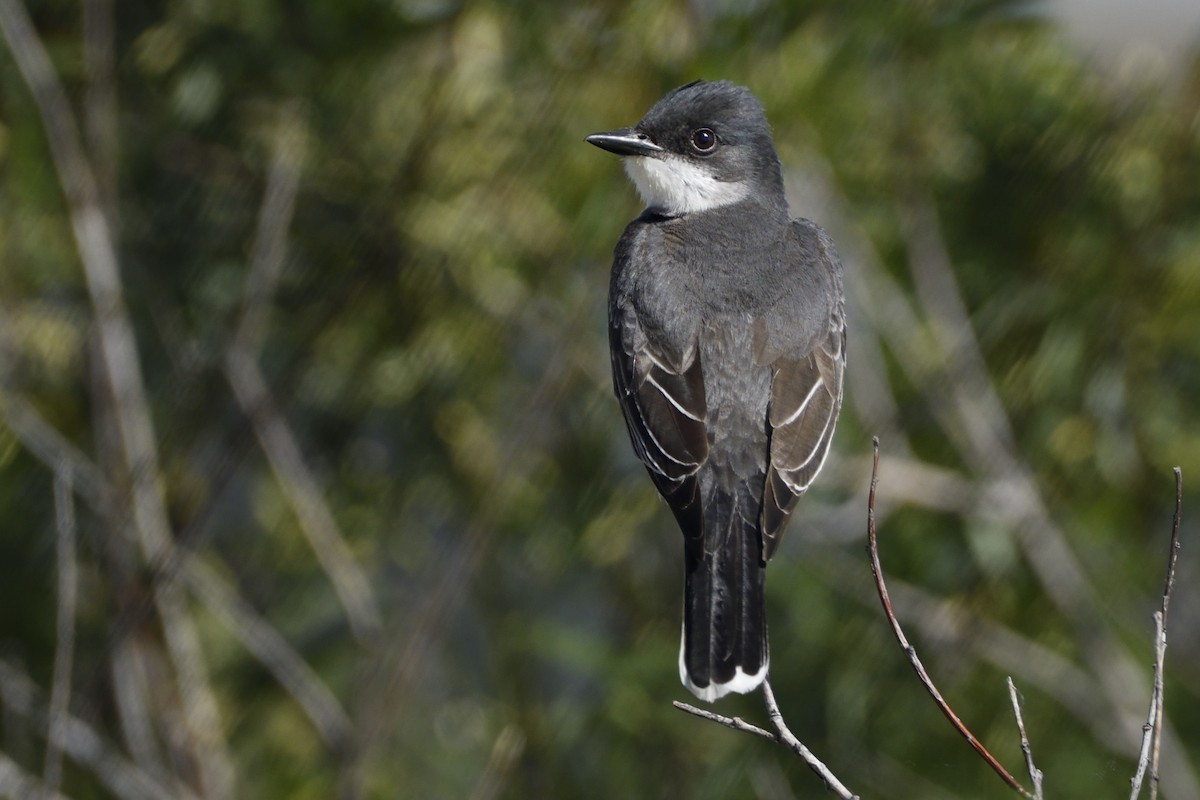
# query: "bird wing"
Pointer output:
{"type": "Point", "coordinates": [806, 382]}
{"type": "Point", "coordinates": [662, 397]}
{"type": "Point", "coordinates": [658, 374]}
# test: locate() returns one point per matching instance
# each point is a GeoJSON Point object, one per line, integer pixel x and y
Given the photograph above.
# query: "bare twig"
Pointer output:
{"type": "Point", "coordinates": [118, 347]}
{"type": "Point", "coordinates": [262, 640]}
{"type": "Point", "coordinates": [266, 644]}
{"type": "Point", "coordinates": [17, 783]}
{"type": "Point", "coordinates": [1152, 731]}
{"type": "Point", "coordinates": [1035, 774]}
{"type": "Point", "coordinates": [1160, 648]}
{"type": "Point", "coordinates": [1149, 729]}
{"type": "Point", "coordinates": [100, 100]}
{"type": "Point", "coordinates": [737, 723]}
{"type": "Point", "coordinates": [271, 236]}
{"type": "Point", "coordinates": [131, 692]}
{"type": "Point", "coordinates": [64, 649]}
{"type": "Point", "coordinates": [53, 449]}
{"type": "Point", "coordinates": [83, 744]}
{"type": "Point", "coordinates": [783, 735]}
{"type": "Point", "coordinates": [245, 376]}
{"type": "Point", "coordinates": [911, 653]}
{"type": "Point", "coordinates": [304, 493]}
{"type": "Point", "coordinates": [507, 750]}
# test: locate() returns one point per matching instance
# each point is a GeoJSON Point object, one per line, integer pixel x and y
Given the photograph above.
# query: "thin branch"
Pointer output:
{"type": "Point", "coordinates": [783, 735]}
{"type": "Point", "coordinates": [64, 649]}
{"type": "Point", "coordinates": [1149, 729]}
{"type": "Point", "coordinates": [271, 236]}
{"type": "Point", "coordinates": [265, 643]}
{"type": "Point", "coordinates": [100, 100]}
{"type": "Point", "coordinates": [911, 653]}
{"type": "Point", "coordinates": [305, 495]}
{"type": "Point", "coordinates": [245, 376]}
{"type": "Point", "coordinates": [1035, 774]}
{"type": "Point", "coordinates": [17, 783]}
{"type": "Point", "coordinates": [797, 747]}
{"type": "Point", "coordinates": [131, 690]}
{"type": "Point", "coordinates": [507, 750]}
{"type": "Point", "coordinates": [1160, 649]}
{"type": "Point", "coordinates": [736, 723]}
{"type": "Point", "coordinates": [83, 744]}
{"type": "Point", "coordinates": [1152, 731]}
{"type": "Point", "coordinates": [118, 346]}
{"type": "Point", "coordinates": [53, 449]}
{"type": "Point", "coordinates": [216, 593]}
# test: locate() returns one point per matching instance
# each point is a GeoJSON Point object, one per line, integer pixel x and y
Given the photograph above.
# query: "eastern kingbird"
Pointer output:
{"type": "Point", "coordinates": [727, 332]}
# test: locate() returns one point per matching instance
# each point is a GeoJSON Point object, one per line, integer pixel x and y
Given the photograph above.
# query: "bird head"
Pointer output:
{"type": "Point", "coordinates": [704, 145]}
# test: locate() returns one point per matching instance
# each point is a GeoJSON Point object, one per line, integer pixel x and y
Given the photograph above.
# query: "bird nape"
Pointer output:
{"type": "Point", "coordinates": [727, 336]}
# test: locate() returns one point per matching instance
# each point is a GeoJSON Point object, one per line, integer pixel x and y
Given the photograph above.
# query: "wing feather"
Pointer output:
{"type": "Point", "coordinates": [807, 375]}
{"type": "Point", "coordinates": [665, 413]}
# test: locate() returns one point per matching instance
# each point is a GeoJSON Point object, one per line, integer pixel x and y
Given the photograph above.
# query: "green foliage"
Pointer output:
{"type": "Point", "coordinates": [436, 345]}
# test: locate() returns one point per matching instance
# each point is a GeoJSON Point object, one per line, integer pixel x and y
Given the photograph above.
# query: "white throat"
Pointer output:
{"type": "Point", "coordinates": [674, 185]}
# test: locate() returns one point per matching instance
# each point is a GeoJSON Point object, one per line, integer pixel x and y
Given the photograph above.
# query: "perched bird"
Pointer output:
{"type": "Point", "coordinates": [727, 332]}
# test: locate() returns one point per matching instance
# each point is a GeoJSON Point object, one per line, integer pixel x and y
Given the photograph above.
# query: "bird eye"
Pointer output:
{"type": "Point", "coordinates": [704, 140]}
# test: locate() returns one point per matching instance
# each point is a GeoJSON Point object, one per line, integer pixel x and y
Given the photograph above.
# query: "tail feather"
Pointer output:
{"type": "Point", "coordinates": [724, 647]}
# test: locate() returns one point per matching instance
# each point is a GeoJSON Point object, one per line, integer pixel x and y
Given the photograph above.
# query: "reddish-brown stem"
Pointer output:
{"type": "Point", "coordinates": [910, 652]}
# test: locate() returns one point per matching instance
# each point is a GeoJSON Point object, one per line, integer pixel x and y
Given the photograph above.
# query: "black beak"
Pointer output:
{"type": "Point", "coordinates": [625, 142]}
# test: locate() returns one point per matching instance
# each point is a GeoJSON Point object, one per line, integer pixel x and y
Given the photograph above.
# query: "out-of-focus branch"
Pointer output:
{"type": "Point", "coordinates": [83, 744]}
{"type": "Point", "coordinates": [269, 251]}
{"type": "Point", "coordinates": [52, 448]}
{"type": "Point", "coordinates": [220, 597]}
{"type": "Point", "coordinates": [783, 735]}
{"type": "Point", "coordinates": [305, 495]}
{"type": "Point", "coordinates": [100, 100]}
{"type": "Point", "coordinates": [131, 692]}
{"type": "Point", "coordinates": [17, 783]}
{"type": "Point", "coordinates": [506, 752]}
{"type": "Point", "coordinates": [118, 347]}
{"type": "Point", "coordinates": [64, 649]}
{"type": "Point", "coordinates": [267, 645]}
{"type": "Point", "coordinates": [910, 652]}
{"type": "Point", "coordinates": [299, 485]}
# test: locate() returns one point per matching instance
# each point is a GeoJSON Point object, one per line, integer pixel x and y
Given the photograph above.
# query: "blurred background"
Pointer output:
{"type": "Point", "coordinates": [312, 483]}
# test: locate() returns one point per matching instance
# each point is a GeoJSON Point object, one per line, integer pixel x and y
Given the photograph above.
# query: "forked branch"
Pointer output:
{"type": "Point", "coordinates": [911, 652]}
{"type": "Point", "coordinates": [782, 735]}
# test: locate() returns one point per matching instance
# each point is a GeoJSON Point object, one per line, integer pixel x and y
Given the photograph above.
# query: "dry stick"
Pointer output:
{"type": "Point", "coordinates": [16, 782]}
{"type": "Point", "coordinates": [783, 735]}
{"type": "Point", "coordinates": [118, 345]}
{"type": "Point", "coordinates": [272, 650]}
{"type": "Point", "coordinates": [100, 99]}
{"type": "Point", "coordinates": [506, 752]}
{"type": "Point", "coordinates": [1149, 732]}
{"type": "Point", "coordinates": [245, 376]}
{"type": "Point", "coordinates": [910, 651]}
{"type": "Point", "coordinates": [1161, 643]}
{"type": "Point", "coordinates": [305, 494]}
{"type": "Point", "coordinates": [215, 592]}
{"type": "Point", "coordinates": [1035, 774]}
{"type": "Point", "coordinates": [64, 649]}
{"type": "Point", "coordinates": [83, 744]}
{"type": "Point", "coordinates": [1153, 729]}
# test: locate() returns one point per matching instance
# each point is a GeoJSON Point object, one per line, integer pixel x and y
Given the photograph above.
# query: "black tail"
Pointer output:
{"type": "Point", "coordinates": [724, 646]}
